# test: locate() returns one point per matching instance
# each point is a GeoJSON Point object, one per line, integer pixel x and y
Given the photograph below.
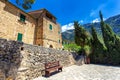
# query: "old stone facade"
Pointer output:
{"type": "Point", "coordinates": [48, 32]}
{"type": "Point", "coordinates": [20, 61]}
{"type": "Point", "coordinates": [36, 27]}
{"type": "Point", "coordinates": [11, 26]}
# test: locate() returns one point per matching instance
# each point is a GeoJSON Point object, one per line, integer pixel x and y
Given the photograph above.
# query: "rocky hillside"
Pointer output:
{"type": "Point", "coordinates": [114, 22]}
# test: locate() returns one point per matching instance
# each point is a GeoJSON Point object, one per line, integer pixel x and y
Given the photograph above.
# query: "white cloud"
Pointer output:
{"type": "Point", "coordinates": [67, 27]}
{"type": "Point", "coordinates": [96, 20]}
{"type": "Point", "coordinates": [104, 19]}
{"type": "Point", "coordinates": [81, 21]}
{"type": "Point", "coordinates": [70, 26]}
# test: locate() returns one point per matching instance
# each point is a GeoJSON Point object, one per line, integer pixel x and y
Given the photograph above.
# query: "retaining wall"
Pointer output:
{"type": "Point", "coordinates": [25, 62]}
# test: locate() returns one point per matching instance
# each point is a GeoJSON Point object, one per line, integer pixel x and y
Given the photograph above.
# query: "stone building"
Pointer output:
{"type": "Point", "coordinates": [36, 27]}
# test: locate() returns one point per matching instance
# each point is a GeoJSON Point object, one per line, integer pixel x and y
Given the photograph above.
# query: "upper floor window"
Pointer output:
{"type": "Point", "coordinates": [59, 41]}
{"type": "Point", "coordinates": [22, 17]}
{"type": "Point", "coordinates": [59, 32]}
{"type": "Point", "coordinates": [50, 27]}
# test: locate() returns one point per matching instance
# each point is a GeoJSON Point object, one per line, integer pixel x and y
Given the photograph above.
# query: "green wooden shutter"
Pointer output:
{"type": "Point", "coordinates": [58, 32]}
{"type": "Point", "coordinates": [19, 38]}
{"type": "Point", "coordinates": [59, 40]}
{"type": "Point", "coordinates": [22, 18]}
{"type": "Point", "coordinates": [50, 27]}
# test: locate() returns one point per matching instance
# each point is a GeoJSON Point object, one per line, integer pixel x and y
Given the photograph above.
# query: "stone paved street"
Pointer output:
{"type": "Point", "coordinates": [86, 72]}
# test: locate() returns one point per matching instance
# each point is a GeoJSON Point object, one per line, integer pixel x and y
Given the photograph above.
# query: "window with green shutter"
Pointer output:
{"type": "Point", "coordinates": [22, 17]}
{"type": "Point", "coordinates": [19, 38]}
{"type": "Point", "coordinates": [58, 32]}
{"type": "Point", "coordinates": [59, 41]}
{"type": "Point", "coordinates": [50, 27]}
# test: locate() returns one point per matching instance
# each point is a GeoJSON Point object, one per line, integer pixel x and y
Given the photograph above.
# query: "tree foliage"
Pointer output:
{"type": "Point", "coordinates": [82, 37]}
{"type": "Point", "coordinates": [72, 47]}
{"type": "Point", "coordinates": [110, 54]}
{"type": "Point", "coordinates": [98, 49]}
{"type": "Point", "coordinates": [26, 4]}
{"type": "Point", "coordinates": [112, 42]}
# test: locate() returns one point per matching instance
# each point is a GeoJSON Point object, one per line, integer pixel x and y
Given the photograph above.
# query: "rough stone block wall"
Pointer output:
{"type": "Point", "coordinates": [10, 59]}
{"type": "Point", "coordinates": [10, 24]}
{"type": "Point", "coordinates": [26, 62]}
{"type": "Point", "coordinates": [34, 58]}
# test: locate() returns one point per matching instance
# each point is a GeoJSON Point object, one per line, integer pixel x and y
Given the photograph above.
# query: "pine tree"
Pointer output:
{"type": "Point", "coordinates": [117, 43]}
{"type": "Point", "coordinates": [77, 35]}
{"type": "Point", "coordinates": [112, 42]}
{"type": "Point", "coordinates": [26, 4]}
{"type": "Point", "coordinates": [81, 35]}
{"type": "Point", "coordinates": [108, 34]}
{"type": "Point", "coordinates": [82, 38]}
{"type": "Point", "coordinates": [98, 53]}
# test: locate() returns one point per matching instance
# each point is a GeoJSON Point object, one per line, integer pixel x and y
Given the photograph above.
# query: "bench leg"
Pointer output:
{"type": "Point", "coordinates": [47, 73]}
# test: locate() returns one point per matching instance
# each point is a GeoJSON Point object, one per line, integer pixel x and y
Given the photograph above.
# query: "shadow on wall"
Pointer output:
{"type": "Point", "coordinates": [10, 59]}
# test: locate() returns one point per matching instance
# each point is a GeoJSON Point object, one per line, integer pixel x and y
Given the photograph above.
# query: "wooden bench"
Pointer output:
{"type": "Point", "coordinates": [52, 67]}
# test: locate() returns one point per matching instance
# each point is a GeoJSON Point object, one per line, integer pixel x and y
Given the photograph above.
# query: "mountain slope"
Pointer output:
{"type": "Point", "coordinates": [68, 35]}
{"type": "Point", "coordinates": [114, 22]}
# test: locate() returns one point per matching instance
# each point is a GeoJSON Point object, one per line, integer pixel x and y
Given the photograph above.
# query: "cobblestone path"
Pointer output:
{"type": "Point", "coordinates": [86, 72]}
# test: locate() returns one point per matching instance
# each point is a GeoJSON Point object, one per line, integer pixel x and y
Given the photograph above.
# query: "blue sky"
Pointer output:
{"type": "Point", "coordinates": [84, 11]}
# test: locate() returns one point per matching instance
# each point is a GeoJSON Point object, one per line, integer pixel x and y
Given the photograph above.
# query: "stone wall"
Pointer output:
{"type": "Point", "coordinates": [25, 62]}
{"type": "Point", "coordinates": [10, 58]}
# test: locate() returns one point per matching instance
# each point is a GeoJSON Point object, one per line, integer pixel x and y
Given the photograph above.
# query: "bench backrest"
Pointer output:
{"type": "Point", "coordinates": [51, 64]}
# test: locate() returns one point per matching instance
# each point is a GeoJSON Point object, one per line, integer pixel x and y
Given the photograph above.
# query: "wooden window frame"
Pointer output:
{"type": "Point", "coordinates": [20, 37]}
{"type": "Point", "coordinates": [50, 27]}
{"type": "Point", "coordinates": [22, 17]}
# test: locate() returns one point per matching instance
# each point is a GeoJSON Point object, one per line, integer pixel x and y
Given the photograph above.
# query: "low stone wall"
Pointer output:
{"type": "Point", "coordinates": [25, 62]}
{"type": "Point", "coordinates": [34, 57]}
{"type": "Point", "coordinates": [10, 59]}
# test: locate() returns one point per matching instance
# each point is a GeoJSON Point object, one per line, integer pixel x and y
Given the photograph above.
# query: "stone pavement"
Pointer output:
{"type": "Point", "coordinates": [86, 72]}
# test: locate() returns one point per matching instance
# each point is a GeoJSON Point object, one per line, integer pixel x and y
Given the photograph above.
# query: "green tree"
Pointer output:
{"type": "Point", "coordinates": [72, 47]}
{"type": "Point", "coordinates": [26, 4]}
{"type": "Point", "coordinates": [77, 35]}
{"type": "Point", "coordinates": [82, 37]}
{"type": "Point", "coordinates": [112, 42]}
{"type": "Point", "coordinates": [98, 50]}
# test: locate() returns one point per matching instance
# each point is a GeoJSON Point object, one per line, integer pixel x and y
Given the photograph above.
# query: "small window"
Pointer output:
{"type": "Point", "coordinates": [19, 38]}
{"type": "Point", "coordinates": [59, 41]}
{"type": "Point", "coordinates": [58, 32]}
{"type": "Point", "coordinates": [50, 27]}
{"type": "Point", "coordinates": [22, 17]}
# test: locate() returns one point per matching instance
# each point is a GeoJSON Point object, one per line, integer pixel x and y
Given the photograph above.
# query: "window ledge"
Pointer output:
{"type": "Point", "coordinates": [22, 22]}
